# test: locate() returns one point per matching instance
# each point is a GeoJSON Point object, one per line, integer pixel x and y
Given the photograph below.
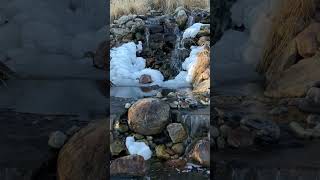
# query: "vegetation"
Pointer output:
{"type": "Point", "coordinates": [122, 7]}
{"type": "Point", "coordinates": [291, 18]}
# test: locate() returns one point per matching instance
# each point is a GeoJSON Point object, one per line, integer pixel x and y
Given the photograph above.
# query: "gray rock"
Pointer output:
{"type": "Point", "coordinates": [177, 132]}
{"type": "Point", "coordinates": [214, 131]}
{"type": "Point", "coordinates": [57, 139]}
{"type": "Point", "coordinates": [221, 143]}
{"type": "Point", "coordinates": [313, 120]}
{"type": "Point", "coordinates": [181, 18]}
{"type": "Point", "coordinates": [264, 129]}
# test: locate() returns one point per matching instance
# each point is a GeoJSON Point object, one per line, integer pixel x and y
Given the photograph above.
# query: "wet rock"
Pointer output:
{"type": "Point", "coordinates": [214, 131]}
{"type": "Point", "coordinates": [225, 130]}
{"type": "Point", "coordinates": [116, 148]}
{"type": "Point", "coordinates": [127, 105]}
{"type": "Point", "coordinates": [204, 40]}
{"type": "Point", "coordinates": [307, 40]}
{"type": "Point", "coordinates": [133, 165]}
{"type": "Point", "coordinates": [83, 157]}
{"type": "Point", "coordinates": [121, 127]}
{"type": "Point", "coordinates": [124, 19]}
{"type": "Point", "coordinates": [155, 28]}
{"type": "Point", "coordinates": [101, 54]}
{"type": "Point", "coordinates": [172, 94]}
{"type": "Point", "coordinates": [176, 163]}
{"type": "Point", "coordinates": [204, 30]}
{"type": "Point", "coordinates": [161, 152]}
{"type": "Point", "coordinates": [299, 131]}
{"type": "Point", "coordinates": [313, 120]}
{"type": "Point", "coordinates": [265, 130]}
{"type": "Point", "coordinates": [240, 138]}
{"type": "Point", "coordinates": [311, 103]}
{"type": "Point", "coordinates": [159, 95]}
{"type": "Point", "coordinates": [221, 143]}
{"type": "Point", "coordinates": [148, 116]}
{"type": "Point", "coordinates": [57, 139]}
{"type": "Point", "coordinates": [178, 148]}
{"type": "Point", "coordinates": [145, 79]}
{"type": "Point", "coordinates": [176, 132]}
{"type": "Point", "coordinates": [72, 130]}
{"type": "Point", "coordinates": [278, 111]}
{"type": "Point", "coordinates": [201, 152]}
{"type": "Point", "coordinates": [181, 18]}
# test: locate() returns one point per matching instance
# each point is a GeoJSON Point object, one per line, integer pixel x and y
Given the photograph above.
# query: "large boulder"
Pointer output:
{"type": "Point", "coordinates": [294, 81]}
{"type": "Point", "coordinates": [84, 157]}
{"type": "Point", "coordinates": [148, 116]}
{"type": "Point", "coordinates": [132, 165]}
{"type": "Point", "coordinates": [307, 42]}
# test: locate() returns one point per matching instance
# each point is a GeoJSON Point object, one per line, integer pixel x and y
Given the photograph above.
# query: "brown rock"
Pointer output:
{"type": "Point", "coordinates": [240, 137]}
{"type": "Point", "coordinates": [148, 116]}
{"type": "Point", "coordinates": [133, 165]}
{"type": "Point", "coordinates": [294, 81]}
{"type": "Point", "coordinates": [85, 154]}
{"type": "Point", "coordinates": [204, 40]}
{"type": "Point", "coordinates": [201, 152]}
{"type": "Point", "coordinates": [176, 132]}
{"type": "Point", "coordinates": [307, 40]}
{"type": "Point", "coordinates": [101, 56]}
{"type": "Point", "coordinates": [176, 163]}
{"type": "Point", "coordinates": [145, 79]}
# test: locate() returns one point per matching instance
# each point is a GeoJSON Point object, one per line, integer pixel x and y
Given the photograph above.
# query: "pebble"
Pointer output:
{"type": "Point", "coordinates": [171, 94]}
{"type": "Point", "coordinates": [159, 95]}
{"type": "Point", "coordinates": [127, 105]}
{"type": "Point", "coordinates": [57, 139]}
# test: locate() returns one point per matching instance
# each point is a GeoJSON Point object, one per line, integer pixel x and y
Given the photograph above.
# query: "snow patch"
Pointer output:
{"type": "Point", "coordinates": [139, 148]}
{"type": "Point", "coordinates": [192, 31]}
{"type": "Point", "coordinates": [126, 68]}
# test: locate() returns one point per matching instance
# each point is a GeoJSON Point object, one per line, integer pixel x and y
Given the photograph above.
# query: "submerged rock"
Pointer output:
{"type": "Point", "coordinates": [148, 116]}
{"type": "Point", "coordinates": [132, 165]}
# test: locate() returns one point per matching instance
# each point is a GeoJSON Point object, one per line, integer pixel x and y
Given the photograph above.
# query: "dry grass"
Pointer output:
{"type": "Point", "coordinates": [123, 7]}
{"type": "Point", "coordinates": [293, 16]}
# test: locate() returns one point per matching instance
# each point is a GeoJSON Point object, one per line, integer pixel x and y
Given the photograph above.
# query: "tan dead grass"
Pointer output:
{"type": "Point", "coordinates": [292, 17]}
{"type": "Point", "coordinates": [125, 7]}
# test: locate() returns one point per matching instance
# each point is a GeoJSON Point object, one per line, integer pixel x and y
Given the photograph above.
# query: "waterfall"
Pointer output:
{"type": "Point", "coordinates": [147, 33]}
{"type": "Point", "coordinates": [190, 21]}
{"type": "Point", "coordinates": [176, 59]}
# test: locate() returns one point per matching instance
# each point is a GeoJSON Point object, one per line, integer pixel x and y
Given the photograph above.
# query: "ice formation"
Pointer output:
{"type": "Point", "coordinates": [192, 31]}
{"type": "Point", "coordinates": [126, 68]}
{"type": "Point", "coordinates": [139, 148]}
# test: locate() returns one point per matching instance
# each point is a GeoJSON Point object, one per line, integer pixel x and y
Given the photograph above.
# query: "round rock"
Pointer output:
{"type": "Point", "coordinates": [57, 139]}
{"type": "Point", "coordinates": [148, 116]}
